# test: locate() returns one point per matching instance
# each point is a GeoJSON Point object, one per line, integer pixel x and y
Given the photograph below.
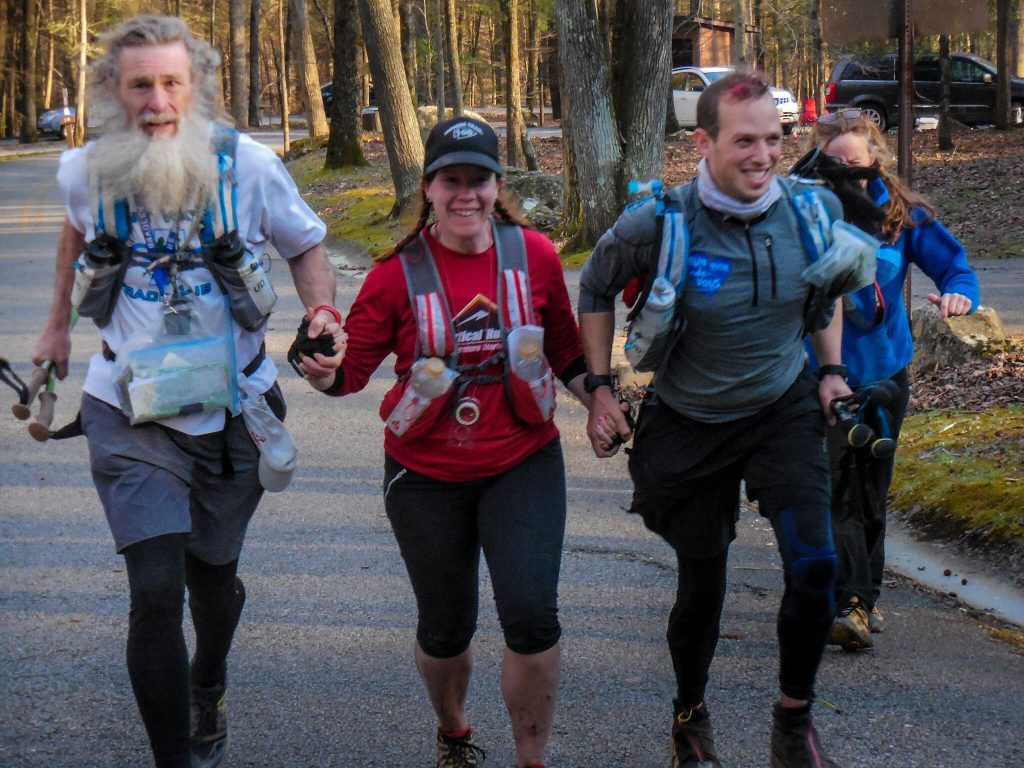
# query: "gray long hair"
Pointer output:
{"type": "Point", "coordinates": [148, 30]}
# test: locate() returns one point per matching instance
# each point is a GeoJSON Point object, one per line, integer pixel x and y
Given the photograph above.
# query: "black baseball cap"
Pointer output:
{"type": "Point", "coordinates": [462, 141]}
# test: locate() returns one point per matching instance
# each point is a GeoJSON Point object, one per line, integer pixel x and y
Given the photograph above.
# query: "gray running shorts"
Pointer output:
{"type": "Point", "coordinates": [153, 480]}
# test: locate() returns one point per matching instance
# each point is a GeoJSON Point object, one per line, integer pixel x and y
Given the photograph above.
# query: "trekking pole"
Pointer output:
{"type": "Point", "coordinates": [40, 428]}
{"type": "Point", "coordinates": [23, 409]}
{"type": "Point", "coordinates": [42, 375]}
{"type": "Point", "coordinates": [11, 379]}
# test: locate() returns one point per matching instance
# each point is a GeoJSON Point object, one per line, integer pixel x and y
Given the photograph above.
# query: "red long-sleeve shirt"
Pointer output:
{"type": "Point", "coordinates": [381, 322]}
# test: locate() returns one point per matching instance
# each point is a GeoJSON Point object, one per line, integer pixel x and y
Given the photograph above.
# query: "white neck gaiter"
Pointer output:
{"type": "Point", "coordinates": [717, 200]}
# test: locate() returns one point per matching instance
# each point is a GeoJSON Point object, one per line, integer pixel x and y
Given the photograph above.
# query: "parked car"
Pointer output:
{"type": "Point", "coordinates": [688, 82]}
{"type": "Point", "coordinates": [869, 83]}
{"type": "Point", "coordinates": [51, 123]}
{"type": "Point", "coordinates": [327, 93]}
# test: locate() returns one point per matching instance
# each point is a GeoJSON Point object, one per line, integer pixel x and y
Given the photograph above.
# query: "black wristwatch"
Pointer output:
{"type": "Point", "coordinates": [594, 380]}
{"type": "Point", "coordinates": [832, 370]}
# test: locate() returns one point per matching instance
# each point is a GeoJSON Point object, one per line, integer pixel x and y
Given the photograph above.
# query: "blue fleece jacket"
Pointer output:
{"type": "Point", "coordinates": [873, 352]}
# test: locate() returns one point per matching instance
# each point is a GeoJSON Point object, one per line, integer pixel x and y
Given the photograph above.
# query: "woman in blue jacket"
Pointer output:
{"type": "Point", "coordinates": [877, 345]}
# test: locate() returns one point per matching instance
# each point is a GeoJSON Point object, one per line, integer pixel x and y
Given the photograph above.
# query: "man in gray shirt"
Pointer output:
{"type": "Point", "coordinates": [734, 401]}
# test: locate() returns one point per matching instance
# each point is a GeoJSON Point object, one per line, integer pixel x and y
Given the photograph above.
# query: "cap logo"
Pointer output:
{"type": "Point", "coordinates": [464, 130]}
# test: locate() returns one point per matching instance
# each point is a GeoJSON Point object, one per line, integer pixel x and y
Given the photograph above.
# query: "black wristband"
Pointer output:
{"type": "Point", "coordinates": [337, 384]}
{"type": "Point", "coordinates": [594, 380]}
{"type": "Point", "coordinates": [832, 370]}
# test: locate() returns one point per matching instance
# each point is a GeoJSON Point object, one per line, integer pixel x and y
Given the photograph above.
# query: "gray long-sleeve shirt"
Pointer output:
{"type": "Point", "coordinates": [743, 302]}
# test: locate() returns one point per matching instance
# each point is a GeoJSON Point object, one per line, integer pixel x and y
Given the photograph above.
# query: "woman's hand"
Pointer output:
{"type": "Point", "coordinates": [950, 304]}
{"type": "Point", "coordinates": [319, 369]}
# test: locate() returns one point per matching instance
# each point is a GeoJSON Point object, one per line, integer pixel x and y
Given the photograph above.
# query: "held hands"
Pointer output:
{"type": "Point", "coordinates": [309, 355]}
{"type": "Point", "coordinates": [606, 423]}
{"type": "Point", "coordinates": [831, 388]}
{"type": "Point", "coordinates": [950, 304]}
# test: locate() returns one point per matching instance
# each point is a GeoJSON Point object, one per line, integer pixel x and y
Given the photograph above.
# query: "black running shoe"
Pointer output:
{"type": "Point", "coordinates": [794, 740]}
{"type": "Point", "coordinates": [209, 725]}
{"type": "Point", "coordinates": [458, 751]}
{"type": "Point", "coordinates": [693, 739]}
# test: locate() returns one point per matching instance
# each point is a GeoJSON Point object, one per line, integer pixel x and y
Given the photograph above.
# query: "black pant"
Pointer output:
{"type": "Point", "coordinates": [517, 519]}
{"type": "Point", "coordinates": [159, 569]}
{"type": "Point", "coordinates": [687, 478]}
{"type": "Point", "coordinates": [860, 489]}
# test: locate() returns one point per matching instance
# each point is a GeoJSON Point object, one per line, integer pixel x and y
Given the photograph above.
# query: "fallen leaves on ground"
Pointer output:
{"type": "Point", "coordinates": [976, 385]}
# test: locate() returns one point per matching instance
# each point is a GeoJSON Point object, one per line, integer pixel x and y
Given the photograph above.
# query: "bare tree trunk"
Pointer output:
{"type": "Point", "coordinates": [515, 127]}
{"type": "Point", "coordinates": [533, 92]}
{"type": "Point", "coordinates": [1017, 44]}
{"type": "Point", "coordinates": [83, 42]}
{"type": "Point", "coordinates": [325, 22]}
{"type": "Point", "coordinates": [398, 117]}
{"type": "Point", "coordinates": [598, 153]}
{"type": "Point", "coordinates": [238, 67]}
{"type": "Point", "coordinates": [309, 79]}
{"type": "Point", "coordinates": [344, 146]}
{"type": "Point", "coordinates": [48, 84]}
{"type": "Point", "coordinates": [817, 90]}
{"type": "Point", "coordinates": [739, 40]}
{"type": "Point", "coordinates": [945, 128]}
{"type": "Point", "coordinates": [255, 81]}
{"type": "Point", "coordinates": [30, 65]}
{"type": "Point", "coordinates": [643, 70]}
{"type": "Point", "coordinates": [1004, 57]}
{"type": "Point", "coordinates": [452, 55]}
{"type": "Point", "coordinates": [439, 58]}
{"type": "Point", "coordinates": [282, 77]}
{"type": "Point", "coordinates": [408, 35]}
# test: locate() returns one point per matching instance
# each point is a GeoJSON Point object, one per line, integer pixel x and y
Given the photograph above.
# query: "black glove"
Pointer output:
{"type": "Point", "coordinates": [844, 180]}
{"type": "Point", "coordinates": [303, 345]}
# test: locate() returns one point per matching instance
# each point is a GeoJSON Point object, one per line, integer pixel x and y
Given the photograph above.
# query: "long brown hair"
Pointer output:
{"type": "Point", "coordinates": [902, 199]}
{"type": "Point", "coordinates": [505, 206]}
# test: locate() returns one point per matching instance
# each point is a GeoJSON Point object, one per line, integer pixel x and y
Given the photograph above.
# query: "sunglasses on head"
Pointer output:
{"type": "Point", "coordinates": [846, 114]}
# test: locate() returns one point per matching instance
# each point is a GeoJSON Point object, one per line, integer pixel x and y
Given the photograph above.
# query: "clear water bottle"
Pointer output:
{"type": "Point", "coordinates": [427, 378]}
{"type": "Point", "coordinates": [654, 318]}
{"type": "Point", "coordinates": [90, 265]}
{"type": "Point", "coordinates": [256, 282]}
{"type": "Point", "coordinates": [525, 346]}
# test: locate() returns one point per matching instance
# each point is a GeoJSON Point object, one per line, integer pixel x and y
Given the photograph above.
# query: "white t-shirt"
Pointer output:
{"type": "Point", "coordinates": [268, 208]}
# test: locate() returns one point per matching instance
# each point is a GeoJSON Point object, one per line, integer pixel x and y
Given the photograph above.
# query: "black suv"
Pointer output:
{"type": "Point", "coordinates": [870, 84]}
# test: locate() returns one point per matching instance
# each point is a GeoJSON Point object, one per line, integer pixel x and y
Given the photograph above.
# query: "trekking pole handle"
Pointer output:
{"type": "Point", "coordinates": [40, 375]}
{"type": "Point", "coordinates": [40, 428]}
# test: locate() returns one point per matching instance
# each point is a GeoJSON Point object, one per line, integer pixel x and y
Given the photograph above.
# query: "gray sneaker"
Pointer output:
{"type": "Point", "coordinates": [794, 740]}
{"type": "Point", "coordinates": [693, 739]}
{"type": "Point", "coordinates": [209, 725]}
{"type": "Point", "coordinates": [850, 628]}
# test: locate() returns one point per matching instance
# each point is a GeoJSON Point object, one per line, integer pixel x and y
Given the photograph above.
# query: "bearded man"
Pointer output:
{"type": "Point", "coordinates": [156, 208]}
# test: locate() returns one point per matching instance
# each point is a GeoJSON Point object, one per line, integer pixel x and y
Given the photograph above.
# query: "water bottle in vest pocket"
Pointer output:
{"type": "Point", "coordinates": [99, 273]}
{"type": "Point", "coordinates": [421, 401]}
{"type": "Point", "coordinates": [530, 383]}
{"type": "Point", "coordinates": [243, 280]}
{"type": "Point", "coordinates": [647, 329]}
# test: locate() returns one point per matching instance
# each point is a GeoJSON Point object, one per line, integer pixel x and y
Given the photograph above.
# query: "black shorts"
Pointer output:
{"type": "Point", "coordinates": [687, 473]}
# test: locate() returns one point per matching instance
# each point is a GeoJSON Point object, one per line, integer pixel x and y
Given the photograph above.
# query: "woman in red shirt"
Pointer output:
{"type": "Point", "coordinates": [479, 467]}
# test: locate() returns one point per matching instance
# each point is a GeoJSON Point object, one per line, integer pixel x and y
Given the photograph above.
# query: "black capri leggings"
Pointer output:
{"type": "Point", "coordinates": [516, 518]}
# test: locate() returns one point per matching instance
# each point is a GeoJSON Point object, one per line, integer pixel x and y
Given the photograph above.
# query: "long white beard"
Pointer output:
{"type": "Point", "coordinates": [164, 174]}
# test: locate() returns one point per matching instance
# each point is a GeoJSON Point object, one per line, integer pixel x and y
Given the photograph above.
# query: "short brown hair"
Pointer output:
{"type": "Point", "coordinates": [736, 86]}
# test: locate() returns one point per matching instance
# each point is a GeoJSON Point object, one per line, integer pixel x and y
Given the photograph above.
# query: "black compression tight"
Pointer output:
{"type": "Point", "coordinates": [158, 571]}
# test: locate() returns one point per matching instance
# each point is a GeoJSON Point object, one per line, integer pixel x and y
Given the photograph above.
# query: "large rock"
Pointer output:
{"type": "Point", "coordinates": [955, 341]}
{"type": "Point", "coordinates": [427, 118]}
{"type": "Point", "coordinates": [539, 195]}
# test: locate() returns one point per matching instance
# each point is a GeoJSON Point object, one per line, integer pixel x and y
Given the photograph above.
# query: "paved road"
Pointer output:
{"type": "Point", "coordinates": [321, 670]}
